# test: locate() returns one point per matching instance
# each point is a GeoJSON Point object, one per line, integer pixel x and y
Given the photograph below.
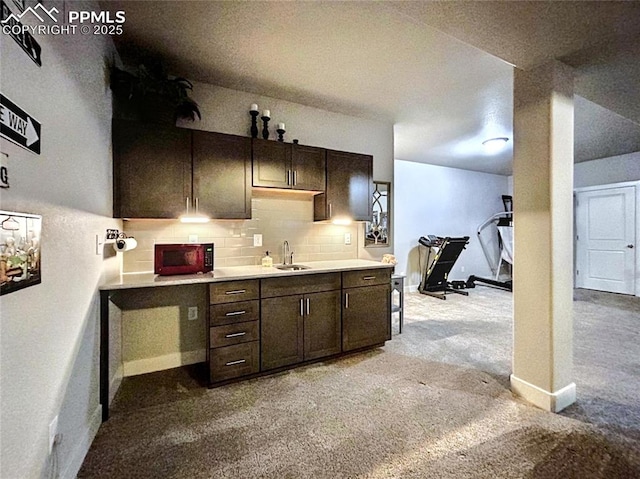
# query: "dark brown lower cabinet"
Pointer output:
{"type": "Point", "coordinates": [234, 361]}
{"type": "Point", "coordinates": [299, 328]}
{"type": "Point", "coordinates": [366, 316]}
{"type": "Point", "coordinates": [281, 328]}
{"type": "Point", "coordinates": [322, 328]}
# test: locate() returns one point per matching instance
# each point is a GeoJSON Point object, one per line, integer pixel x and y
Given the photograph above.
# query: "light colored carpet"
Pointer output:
{"type": "Point", "coordinates": [434, 403]}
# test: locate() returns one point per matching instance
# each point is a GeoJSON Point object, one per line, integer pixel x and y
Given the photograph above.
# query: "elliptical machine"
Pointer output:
{"type": "Point", "coordinates": [504, 225]}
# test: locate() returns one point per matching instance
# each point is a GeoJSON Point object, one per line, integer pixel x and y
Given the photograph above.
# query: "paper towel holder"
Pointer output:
{"type": "Point", "coordinates": [124, 243]}
{"type": "Point", "coordinates": [116, 238]}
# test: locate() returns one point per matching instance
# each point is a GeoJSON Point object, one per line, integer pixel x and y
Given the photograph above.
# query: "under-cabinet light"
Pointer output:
{"type": "Point", "coordinates": [342, 221]}
{"type": "Point", "coordinates": [194, 219]}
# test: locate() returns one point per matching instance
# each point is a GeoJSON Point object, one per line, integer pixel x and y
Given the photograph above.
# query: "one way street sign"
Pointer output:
{"type": "Point", "coordinates": [18, 126]}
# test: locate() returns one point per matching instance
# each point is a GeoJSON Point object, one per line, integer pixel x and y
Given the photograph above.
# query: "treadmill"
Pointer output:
{"type": "Point", "coordinates": [435, 281]}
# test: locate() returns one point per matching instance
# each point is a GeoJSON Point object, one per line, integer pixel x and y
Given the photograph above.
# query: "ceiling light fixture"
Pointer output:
{"type": "Point", "coordinates": [493, 145]}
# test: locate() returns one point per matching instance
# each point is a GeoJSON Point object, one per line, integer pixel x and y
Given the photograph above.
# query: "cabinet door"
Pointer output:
{"type": "Point", "coordinates": [322, 328]}
{"type": "Point", "coordinates": [152, 170]}
{"type": "Point", "coordinates": [272, 164]}
{"type": "Point", "coordinates": [349, 188]}
{"type": "Point", "coordinates": [222, 175]}
{"type": "Point", "coordinates": [366, 316]}
{"type": "Point", "coordinates": [281, 328]}
{"type": "Point", "coordinates": [309, 167]}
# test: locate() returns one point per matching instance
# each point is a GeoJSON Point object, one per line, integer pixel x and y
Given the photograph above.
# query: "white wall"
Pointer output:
{"type": "Point", "coordinates": [444, 202]}
{"type": "Point", "coordinates": [227, 111]}
{"type": "Point", "coordinates": [49, 332]}
{"type": "Point", "coordinates": [616, 169]}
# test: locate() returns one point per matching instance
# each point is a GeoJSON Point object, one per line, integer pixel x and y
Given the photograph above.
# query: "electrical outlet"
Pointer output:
{"type": "Point", "coordinates": [193, 238]}
{"type": "Point", "coordinates": [193, 313]}
{"type": "Point", "coordinates": [347, 238]}
{"type": "Point", "coordinates": [53, 430]}
{"type": "Point", "coordinates": [257, 240]}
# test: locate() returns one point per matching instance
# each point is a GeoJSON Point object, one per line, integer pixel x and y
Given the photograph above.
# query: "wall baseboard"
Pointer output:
{"type": "Point", "coordinates": [159, 363]}
{"type": "Point", "coordinates": [82, 446]}
{"type": "Point", "coordinates": [552, 402]}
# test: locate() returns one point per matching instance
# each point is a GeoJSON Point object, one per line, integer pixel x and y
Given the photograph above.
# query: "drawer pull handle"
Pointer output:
{"type": "Point", "coordinates": [233, 363]}
{"type": "Point", "coordinates": [346, 300]}
{"type": "Point", "coordinates": [235, 313]}
{"type": "Point", "coordinates": [367, 278]}
{"type": "Point", "coordinates": [235, 335]}
{"type": "Point", "coordinates": [236, 291]}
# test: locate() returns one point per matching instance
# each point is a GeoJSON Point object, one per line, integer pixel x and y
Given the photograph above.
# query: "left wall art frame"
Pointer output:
{"type": "Point", "coordinates": [20, 251]}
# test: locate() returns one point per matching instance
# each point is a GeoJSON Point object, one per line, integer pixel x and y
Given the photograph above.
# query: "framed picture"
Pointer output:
{"type": "Point", "coordinates": [19, 251]}
{"type": "Point", "coordinates": [377, 231]}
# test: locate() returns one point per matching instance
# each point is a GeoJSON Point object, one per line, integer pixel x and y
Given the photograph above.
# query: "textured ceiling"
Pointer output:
{"type": "Point", "coordinates": [393, 61]}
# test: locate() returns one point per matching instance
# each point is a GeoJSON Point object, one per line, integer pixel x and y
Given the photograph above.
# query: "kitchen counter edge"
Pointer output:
{"type": "Point", "coordinates": [231, 273]}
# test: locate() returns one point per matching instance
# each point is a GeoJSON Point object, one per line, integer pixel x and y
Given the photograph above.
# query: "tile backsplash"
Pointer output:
{"type": "Point", "coordinates": [277, 216]}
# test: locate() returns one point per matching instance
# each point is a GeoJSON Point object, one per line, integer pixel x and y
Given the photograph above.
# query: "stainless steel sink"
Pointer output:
{"type": "Point", "coordinates": [292, 267]}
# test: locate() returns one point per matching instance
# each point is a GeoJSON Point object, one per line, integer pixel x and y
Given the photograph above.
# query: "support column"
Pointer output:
{"type": "Point", "coordinates": [543, 236]}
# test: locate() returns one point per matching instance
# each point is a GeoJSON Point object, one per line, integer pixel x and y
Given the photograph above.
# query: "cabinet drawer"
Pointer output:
{"type": "Point", "coordinates": [366, 277]}
{"type": "Point", "coordinates": [221, 336]}
{"type": "Point", "coordinates": [300, 284]}
{"type": "Point", "coordinates": [234, 361]}
{"type": "Point", "coordinates": [230, 313]}
{"type": "Point", "coordinates": [232, 291]}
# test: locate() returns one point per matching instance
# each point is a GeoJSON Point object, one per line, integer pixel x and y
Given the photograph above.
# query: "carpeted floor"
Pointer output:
{"type": "Point", "coordinates": [433, 403]}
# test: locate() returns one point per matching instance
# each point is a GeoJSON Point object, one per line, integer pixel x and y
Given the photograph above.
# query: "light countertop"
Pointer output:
{"type": "Point", "coordinates": [148, 280]}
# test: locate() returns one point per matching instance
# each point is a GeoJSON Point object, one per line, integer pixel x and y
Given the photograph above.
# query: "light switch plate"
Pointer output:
{"type": "Point", "coordinates": [347, 238]}
{"type": "Point", "coordinates": [193, 313]}
{"type": "Point", "coordinates": [257, 240]}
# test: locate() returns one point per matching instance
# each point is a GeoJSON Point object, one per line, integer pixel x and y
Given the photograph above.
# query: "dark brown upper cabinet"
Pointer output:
{"type": "Point", "coordinates": [222, 175]}
{"type": "Point", "coordinates": [349, 188]}
{"type": "Point", "coordinates": [152, 170]}
{"type": "Point", "coordinates": [308, 164]}
{"type": "Point", "coordinates": [158, 170]}
{"type": "Point", "coordinates": [288, 166]}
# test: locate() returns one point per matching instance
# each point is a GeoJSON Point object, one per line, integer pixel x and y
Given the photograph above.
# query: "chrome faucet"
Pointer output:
{"type": "Point", "coordinates": [288, 256]}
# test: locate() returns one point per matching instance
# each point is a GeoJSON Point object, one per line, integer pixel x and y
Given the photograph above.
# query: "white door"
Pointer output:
{"type": "Point", "coordinates": [605, 243]}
